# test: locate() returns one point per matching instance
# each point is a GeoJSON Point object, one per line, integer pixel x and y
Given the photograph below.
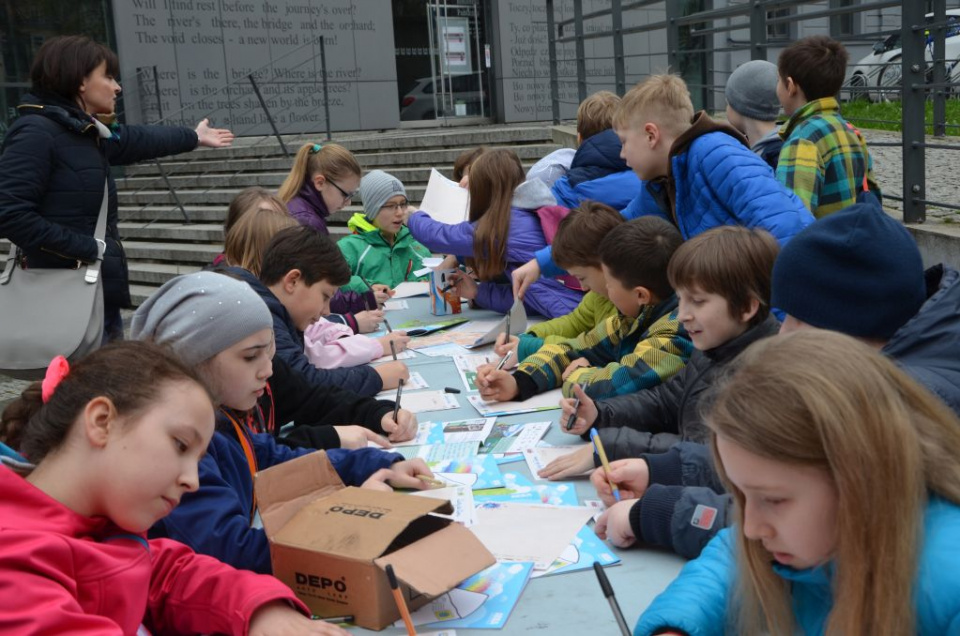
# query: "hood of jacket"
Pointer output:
{"type": "Point", "coordinates": [531, 195]}
{"type": "Point", "coordinates": [309, 199]}
{"type": "Point", "coordinates": [277, 310]}
{"type": "Point", "coordinates": [59, 110]}
{"type": "Point", "coordinates": [370, 233]}
{"type": "Point", "coordinates": [597, 157]}
{"type": "Point", "coordinates": [926, 345]}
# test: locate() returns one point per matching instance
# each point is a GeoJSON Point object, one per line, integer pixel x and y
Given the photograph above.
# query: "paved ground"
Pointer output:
{"type": "Point", "coordinates": [941, 186]}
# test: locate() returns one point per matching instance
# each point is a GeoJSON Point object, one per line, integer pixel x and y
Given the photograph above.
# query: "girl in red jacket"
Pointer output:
{"type": "Point", "coordinates": [115, 442]}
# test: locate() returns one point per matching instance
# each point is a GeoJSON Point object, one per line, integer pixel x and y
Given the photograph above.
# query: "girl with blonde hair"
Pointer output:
{"type": "Point", "coordinates": [846, 480]}
{"type": "Point", "coordinates": [502, 233]}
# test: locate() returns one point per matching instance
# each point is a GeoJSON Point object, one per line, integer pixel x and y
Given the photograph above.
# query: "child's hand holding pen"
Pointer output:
{"type": "Point", "coordinates": [583, 407]}
{"type": "Point", "coordinates": [502, 346]}
{"type": "Point", "coordinates": [632, 477]}
{"type": "Point", "coordinates": [401, 428]}
{"type": "Point", "coordinates": [382, 293]}
{"type": "Point", "coordinates": [461, 284]}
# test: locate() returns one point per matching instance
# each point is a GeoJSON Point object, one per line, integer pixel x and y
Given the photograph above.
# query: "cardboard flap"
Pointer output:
{"type": "Point", "coordinates": [440, 564]}
{"type": "Point", "coordinates": [286, 488]}
{"type": "Point", "coordinates": [361, 524]}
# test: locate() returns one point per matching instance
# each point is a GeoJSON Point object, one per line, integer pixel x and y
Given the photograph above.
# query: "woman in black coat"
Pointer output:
{"type": "Point", "coordinates": [57, 154]}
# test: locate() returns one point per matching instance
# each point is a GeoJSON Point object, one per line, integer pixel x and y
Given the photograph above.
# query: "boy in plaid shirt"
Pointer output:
{"type": "Point", "coordinates": [824, 159]}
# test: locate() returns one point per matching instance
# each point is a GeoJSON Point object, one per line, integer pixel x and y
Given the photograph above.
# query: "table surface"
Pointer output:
{"type": "Point", "coordinates": [560, 604]}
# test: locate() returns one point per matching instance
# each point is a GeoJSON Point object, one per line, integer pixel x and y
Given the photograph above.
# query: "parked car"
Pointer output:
{"type": "Point", "coordinates": [418, 103]}
{"type": "Point", "coordinates": [877, 76]}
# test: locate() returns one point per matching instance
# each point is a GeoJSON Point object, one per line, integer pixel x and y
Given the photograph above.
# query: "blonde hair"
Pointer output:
{"type": "Point", "coordinates": [331, 160]}
{"type": "Point", "coordinates": [595, 114]}
{"type": "Point", "coordinates": [247, 240]}
{"type": "Point", "coordinates": [250, 199]}
{"type": "Point", "coordinates": [494, 176]}
{"type": "Point", "coordinates": [660, 99]}
{"type": "Point", "coordinates": [822, 399]}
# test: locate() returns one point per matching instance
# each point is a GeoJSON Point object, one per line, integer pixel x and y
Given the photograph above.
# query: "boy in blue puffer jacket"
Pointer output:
{"type": "Point", "coordinates": [697, 173]}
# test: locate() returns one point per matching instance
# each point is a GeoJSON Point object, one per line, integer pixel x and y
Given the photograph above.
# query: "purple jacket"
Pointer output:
{"type": "Point", "coordinates": [547, 297]}
{"type": "Point", "coordinates": [309, 209]}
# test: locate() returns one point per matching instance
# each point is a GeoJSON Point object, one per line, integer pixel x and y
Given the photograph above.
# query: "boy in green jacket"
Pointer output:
{"type": "Point", "coordinates": [381, 251]}
{"type": "Point", "coordinates": [575, 246]}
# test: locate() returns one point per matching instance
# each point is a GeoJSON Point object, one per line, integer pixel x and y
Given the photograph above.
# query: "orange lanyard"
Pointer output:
{"type": "Point", "coordinates": [243, 438]}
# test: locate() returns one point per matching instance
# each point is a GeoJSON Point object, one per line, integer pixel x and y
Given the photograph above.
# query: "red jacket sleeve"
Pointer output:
{"type": "Point", "coordinates": [190, 592]}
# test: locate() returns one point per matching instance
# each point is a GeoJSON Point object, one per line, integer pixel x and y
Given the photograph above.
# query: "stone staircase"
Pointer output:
{"type": "Point", "coordinates": [160, 244]}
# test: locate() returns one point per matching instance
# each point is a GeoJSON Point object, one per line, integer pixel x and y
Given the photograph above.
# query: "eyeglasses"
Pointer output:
{"type": "Point", "coordinates": [346, 195]}
{"type": "Point", "coordinates": [396, 207]}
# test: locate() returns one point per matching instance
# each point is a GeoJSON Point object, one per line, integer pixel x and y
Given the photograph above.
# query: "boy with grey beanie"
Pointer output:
{"type": "Point", "coordinates": [753, 107]}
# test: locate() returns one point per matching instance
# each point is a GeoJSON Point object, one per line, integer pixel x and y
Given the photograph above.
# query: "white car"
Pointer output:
{"type": "Point", "coordinates": [419, 104]}
{"type": "Point", "coordinates": [877, 76]}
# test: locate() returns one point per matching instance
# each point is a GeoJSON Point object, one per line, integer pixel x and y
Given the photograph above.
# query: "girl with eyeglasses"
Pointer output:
{"type": "Point", "coordinates": [381, 250]}
{"type": "Point", "coordinates": [323, 180]}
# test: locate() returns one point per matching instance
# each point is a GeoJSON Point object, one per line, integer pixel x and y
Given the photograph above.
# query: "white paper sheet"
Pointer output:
{"type": "Point", "coordinates": [406, 290]}
{"type": "Point", "coordinates": [394, 305]}
{"type": "Point", "coordinates": [538, 457]}
{"type": "Point", "coordinates": [461, 497]}
{"type": "Point", "coordinates": [423, 401]}
{"type": "Point", "coordinates": [522, 532]}
{"type": "Point", "coordinates": [518, 324]}
{"type": "Point", "coordinates": [415, 382]}
{"type": "Point", "coordinates": [548, 401]}
{"type": "Point", "coordinates": [444, 200]}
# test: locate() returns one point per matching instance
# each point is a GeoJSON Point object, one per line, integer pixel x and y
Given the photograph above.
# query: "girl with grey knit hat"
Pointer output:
{"type": "Point", "coordinates": [221, 326]}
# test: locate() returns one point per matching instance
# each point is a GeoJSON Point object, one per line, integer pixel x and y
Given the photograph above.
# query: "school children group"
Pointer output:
{"type": "Point", "coordinates": [774, 375]}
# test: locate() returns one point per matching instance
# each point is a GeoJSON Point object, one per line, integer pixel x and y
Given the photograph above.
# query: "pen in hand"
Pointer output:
{"type": "Point", "coordinates": [573, 416]}
{"type": "Point", "coordinates": [396, 406]}
{"type": "Point", "coordinates": [504, 359]}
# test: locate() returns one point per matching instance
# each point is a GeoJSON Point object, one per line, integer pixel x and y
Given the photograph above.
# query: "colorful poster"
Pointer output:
{"type": "Point", "coordinates": [519, 489]}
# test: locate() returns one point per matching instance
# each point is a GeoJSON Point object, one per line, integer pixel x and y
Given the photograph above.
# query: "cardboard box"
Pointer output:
{"type": "Point", "coordinates": [331, 543]}
{"type": "Point", "coordinates": [443, 303]}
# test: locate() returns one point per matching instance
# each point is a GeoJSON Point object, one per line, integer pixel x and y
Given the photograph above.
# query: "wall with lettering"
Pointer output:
{"type": "Point", "coordinates": [524, 63]}
{"type": "Point", "coordinates": [203, 51]}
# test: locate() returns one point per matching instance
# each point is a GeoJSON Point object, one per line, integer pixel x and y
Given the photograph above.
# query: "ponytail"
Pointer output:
{"type": "Point", "coordinates": [18, 413]}
{"type": "Point", "coordinates": [331, 160]}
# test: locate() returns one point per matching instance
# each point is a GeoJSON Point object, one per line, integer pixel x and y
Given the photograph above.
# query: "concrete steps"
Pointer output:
{"type": "Point", "coordinates": [160, 244]}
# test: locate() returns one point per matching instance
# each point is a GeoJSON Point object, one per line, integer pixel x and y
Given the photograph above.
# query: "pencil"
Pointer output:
{"type": "Point", "coordinates": [507, 341]}
{"type": "Point", "coordinates": [573, 417]}
{"type": "Point", "coordinates": [393, 350]}
{"type": "Point", "coordinates": [608, 592]}
{"type": "Point", "coordinates": [433, 482]}
{"type": "Point", "coordinates": [401, 604]}
{"type": "Point", "coordinates": [396, 406]}
{"type": "Point", "coordinates": [597, 444]}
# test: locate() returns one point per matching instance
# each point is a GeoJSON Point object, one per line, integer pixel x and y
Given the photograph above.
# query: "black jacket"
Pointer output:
{"type": "Point", "coordinates": [52, 171]}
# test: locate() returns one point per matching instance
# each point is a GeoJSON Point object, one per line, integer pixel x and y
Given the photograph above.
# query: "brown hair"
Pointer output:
{"type": "Point", "coordinates": [493, 178]}
{"type": "Point", "coordinates": [581, 231]}
{"type": "Point", "coordinates": [731, 261]}
{"type": "Point", "coordinates": [461, 166]}
{"type": "Point", "coordinates": [251, 199]}
{"type": "Point", "coordinates": [63, 62]}
{"type": "Point", "coordinates": [331, 160]}
{"type": "Point", "coordinates": [303, 248]}
{"type": "Point", "coordinates": [822, 399]}
{"type": "Point", "coordinates": [637, 252]}
{"type": "Point", "coordinates": [130, 374]}
{"type": "Point", "coordinates": [246, 242]}
{"type": "Point", "coordinates": [595, 114]}
{"type": "Point", "coordinates": [817, 64]}
{"type": "Point", "coordinates": [661, 99]}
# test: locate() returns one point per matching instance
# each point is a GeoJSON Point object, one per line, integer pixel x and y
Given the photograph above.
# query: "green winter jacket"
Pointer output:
{"type": "Point", "coordinates": [591, 311]}
{"type": "Point", "coordinates": [371, 257]}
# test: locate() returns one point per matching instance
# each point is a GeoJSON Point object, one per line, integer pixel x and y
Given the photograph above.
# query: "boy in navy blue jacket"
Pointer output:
{"type": "Point", "coordinates": [697, 173]}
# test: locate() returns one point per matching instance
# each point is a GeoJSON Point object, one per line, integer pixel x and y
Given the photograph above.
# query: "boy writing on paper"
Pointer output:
{"type": "Point", "coordinates": [575, 246]}
{"type": "Point", "coordinates": [640, 347]}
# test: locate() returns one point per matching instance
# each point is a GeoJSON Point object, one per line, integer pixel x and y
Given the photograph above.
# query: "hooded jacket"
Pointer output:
{"type": "Point", "coordinates": [52, 172]}
{"type": "Point", "coordinates": [598, 174]}
{"type": "Point", "coordinates": [373, 259]}
{"type": "Point", "coordinates": [697, 602]}
{"type": "Point", "coordinates": [309, 209]}
{"type": "Point", "coordinates": [363, 381]}
{"type": "Point", "coordinates": [61, 572]}
{"type": "Point", "coordinates": [714, 179]}
{"type": "Point", "coordinates": [546, 297]}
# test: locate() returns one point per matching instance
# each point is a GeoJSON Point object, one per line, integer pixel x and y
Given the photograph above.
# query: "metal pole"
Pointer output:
{"type": "Point", "coordinates": [156, 87]}
{"type": "Point", "coordinates": [176, 197]}
{"type": "Point", "coordinates": [758, 31]}
{"type": "Point", "coordinates": [673, 36]}
{"type": "Point", "coordinates": [581, 54]}
{"type": "Point", "coordinates": [554, 81]}
{"type": "Point", "coordinates": [478, 60]}
{"type": "Point", "coordinates": [913, 41]}
{"type": "Point", "coordinates": [939, 69]}
{"type": "Point", "coordinates": [618, 70]}
{"type": "Point", "coordinates": [263, 105]}
{"type": "Point", "coordinates": [326, 96]}
{"type": "Point", "coordinates": [433, 67]}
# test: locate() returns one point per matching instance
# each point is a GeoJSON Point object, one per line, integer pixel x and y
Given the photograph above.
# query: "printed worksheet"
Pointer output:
{"type": "Point", "coordinates": [585, 550]}
{"type": "Point", "coordinates": [423, 401]}
{"type": "Point", "coordinates": [467, 367]}
{"type": "Point", "coordinates": [401, 355]}
{"type": "Point", "coordinates": [407, 290]}
{"type": "Point", "coordinates": [539, 456]}
{"type": "Point", "coordinates": [415, 382]}
{"type": "Point", "coordinates": [548, 401]}
{"type": "Point", "coordinates": [461, 497]}
{"type": "Point", "coordinates": [394, 305]}
{"type": "Point", "coordinates": [508, 437]}
{"type": "Point", "coordinates": [525, 532]}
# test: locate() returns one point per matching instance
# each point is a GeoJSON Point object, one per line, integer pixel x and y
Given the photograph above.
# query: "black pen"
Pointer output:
{"type": "Point", "coordinates": [370, 287]}
{"type": "Point", "coordinates": [389, 330]}
{"type": "Point", "coordinates": [507, 341]}
{"type": "Point", "coordinates": [396, 406]}
{"type": "Point", "coordinates": [573, 416]}
{"type": "Point", "coordinates": [393, 350]}
{"type": "Point", "coordinates": [336, 620]}
{"type": "Point", "coordinates": [608, 592]}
